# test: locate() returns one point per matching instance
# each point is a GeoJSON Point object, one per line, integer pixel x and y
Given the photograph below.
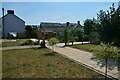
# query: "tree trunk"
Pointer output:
{"type": "Point", "coordinates": [38, 41]}
{"type": "Point", "coordinates": [53, 47]}
{"type": "Point", "coordinates": [82, 39]}
{"type": "Point", "coordinates": [57, 34]}
{"type": "Point", "coordinates": [72, 43]}
{"type": "Point", "coordinates": [106, 69]}
{"type": "Point", "coordinates": [65, 44]}
{"type": "Point", "coordinates": [44, 35]}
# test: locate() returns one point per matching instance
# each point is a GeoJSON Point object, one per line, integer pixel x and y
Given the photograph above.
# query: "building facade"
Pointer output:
{"type": "Point", "coordinates": [54, 29]}
{"type": "Point", "coordinates": [12, 23]}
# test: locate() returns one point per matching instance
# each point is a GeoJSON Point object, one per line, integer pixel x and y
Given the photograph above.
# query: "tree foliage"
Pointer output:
{"type": "Point", "coordinates": [53, 41]}
{"type": "Point", "coordinates": [66, 36]}
{"type": "Point", "coordinates": [105, 52]}
{"type": "Point", "coordinates": [73, 36]}
{"type": "Point", "coordinates": [107, 25]}
{"type": "Point", "coordinates": [94, 38]}
{"type": "Point", "coordinates": [110, 25]}
{"type": "Point", "coordinates": [91, 30]}
{"type": "Point", "coordinates": [88, 26]}
{"type": "Point", "coordinates": [30, 32]}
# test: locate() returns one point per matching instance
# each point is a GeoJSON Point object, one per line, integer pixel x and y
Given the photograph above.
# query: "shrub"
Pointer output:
{"type": "Point", "coordinates": [53, 41]}
{"type": "Point", "coordinates": [106, 51]}
{"type": "Point", "coordinates": [36, 43]}
{"type": "Point", "coordinates": [11, 36]}
{"type": "Point", "coordinates": [29, 42]}
{"type": "Point", "coordinates": [21, 35]}
{"type": "Point", "coordinates": [94, 38]}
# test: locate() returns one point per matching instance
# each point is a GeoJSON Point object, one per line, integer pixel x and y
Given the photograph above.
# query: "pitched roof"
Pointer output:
{"type": "Point", "coordinates": [51, 26]}
{"type": "Point", "coordinates": [19, 18]}
{"type": "Point", "coordinates": [15, 16]}
{"type": "Point", "coordinates": [58, 26]}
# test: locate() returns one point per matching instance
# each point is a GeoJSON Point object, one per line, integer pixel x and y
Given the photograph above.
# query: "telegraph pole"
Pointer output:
{"type": "Point", "coordinates": [3, 36]}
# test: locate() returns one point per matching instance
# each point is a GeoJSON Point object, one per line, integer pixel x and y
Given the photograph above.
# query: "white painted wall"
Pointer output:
{"type": "Point", "coordinates": [13, 24]}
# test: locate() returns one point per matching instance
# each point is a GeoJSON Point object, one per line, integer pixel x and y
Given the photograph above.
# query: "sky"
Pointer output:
{"type": "Point", "coordinates": [35, 12]}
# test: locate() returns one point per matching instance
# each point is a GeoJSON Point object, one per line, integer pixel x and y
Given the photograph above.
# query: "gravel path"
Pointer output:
{"type": "Point", "coordinates": [19, 47]}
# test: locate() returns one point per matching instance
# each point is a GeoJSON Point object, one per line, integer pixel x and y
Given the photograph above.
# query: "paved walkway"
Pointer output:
{"type": "Point", "coordinates": [19, 47]}
{"type": "Point", "coordinates": [85, 58]}
{"type": "Point", "coordinates": [30, 46]}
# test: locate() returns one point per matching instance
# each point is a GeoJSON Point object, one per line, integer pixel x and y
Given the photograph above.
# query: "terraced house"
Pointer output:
{"type": "Point", "coordinates": [52, 29]}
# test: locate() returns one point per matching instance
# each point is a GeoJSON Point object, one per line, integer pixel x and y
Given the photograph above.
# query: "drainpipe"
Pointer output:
{"type": "Point", "coordinates": [3, 36]}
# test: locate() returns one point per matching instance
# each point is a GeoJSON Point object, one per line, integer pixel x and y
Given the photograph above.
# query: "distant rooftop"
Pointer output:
{"type": "Point", "coordinates": [59, 26]}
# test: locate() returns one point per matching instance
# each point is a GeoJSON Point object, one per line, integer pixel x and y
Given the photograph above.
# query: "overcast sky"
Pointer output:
{"type": "Point", "coordinates": [36, 12]}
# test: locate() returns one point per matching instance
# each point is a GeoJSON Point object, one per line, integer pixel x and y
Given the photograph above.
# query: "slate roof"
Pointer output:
{"type": "Point", "coordinates": [51, 26]}
{"type": "Point", "coordinates": [58, 26]}
{"type": "Point", "coordinates": [14, 16]}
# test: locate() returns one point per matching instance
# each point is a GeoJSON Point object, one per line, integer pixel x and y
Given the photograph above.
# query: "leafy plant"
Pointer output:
{"type": "Point", "coordinates": [29, 42]}
{"type": "Point", "coordinates": [94, 37]}
{"type": "Point", "coordinates": [53, 41]}
{"type": "Point", "coordinates": [105, 52]}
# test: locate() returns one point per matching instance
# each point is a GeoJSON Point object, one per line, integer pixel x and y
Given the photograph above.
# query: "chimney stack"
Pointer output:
{"type": "Point", "coordinates": [78, 22]}
{"type": "Point", "coordinates": [10, 11]}
{"type": "Point", "coordinates": [67, 24]}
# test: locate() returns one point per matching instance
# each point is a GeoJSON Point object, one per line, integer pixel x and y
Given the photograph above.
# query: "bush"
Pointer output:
{"type": "Point", "coordinates": [107, 51]}
{"type": "Point", "coordinates": [11, 37]}
{"type": "Point", "coordinates": [21, 35]}
{"type": "Point", "coordinates": [36, 43]}
{"type": "Point", "coordinates": [29, 42]}
{"type": "Point", "coordinates": [53, 41]}
{"type": "Point", "coordinates": [94, 38]}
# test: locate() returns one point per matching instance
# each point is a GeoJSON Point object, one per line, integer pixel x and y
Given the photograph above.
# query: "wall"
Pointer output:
{"type": "Point", "coordinates": [13, 24]}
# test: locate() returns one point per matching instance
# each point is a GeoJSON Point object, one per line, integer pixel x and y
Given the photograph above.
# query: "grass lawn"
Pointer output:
{"type": "Point", "coordinates": [41, 63]}
{"type": "Point", "coordinates": [84, 47]}
{"type": "Point", "coordinates": [18, 41]}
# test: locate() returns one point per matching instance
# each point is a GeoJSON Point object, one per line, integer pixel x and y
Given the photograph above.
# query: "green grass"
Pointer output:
{"type": "Point", "coordinates": [84, 47]}
{"type": "Point", "coordinates": [18, 41]}
{"type": "Point", "coordinates": [41, 63]}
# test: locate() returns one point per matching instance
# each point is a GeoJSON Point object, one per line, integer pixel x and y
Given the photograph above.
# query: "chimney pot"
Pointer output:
{"type": "Point", "coordinates": [78, 22]}
{"type": "Point", "coordinates": [67, 24]}
{"type": "Point", "coordinates": [10, 11]}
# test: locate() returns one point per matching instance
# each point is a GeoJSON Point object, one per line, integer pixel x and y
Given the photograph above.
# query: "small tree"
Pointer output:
{"type": "Point", "coordinates": [75, 38]}
{"type": "Point", "coordinates": [94, 37]}
{"type": "Point", "coordinates": [105, 52]}
{"type": "Point", "coordinates": [43, 36]}
{"type": "Point", "coordinates": [82, 33]}
{"type": "Point", "coordinates": [66, 34]}
{"type": "Point", "coordinates": [72, 36]}
{"type": "Point", "coordinates": [53, 41]}
{"type": "Point", "coordinates": [39, 35]}
{"type": "Point", "coordinates": [29, 31]}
